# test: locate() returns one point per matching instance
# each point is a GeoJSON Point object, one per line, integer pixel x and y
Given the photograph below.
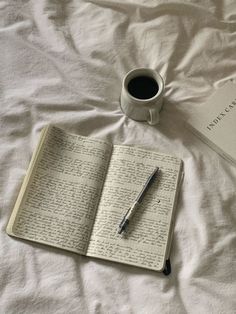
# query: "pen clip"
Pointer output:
{"type": "Point", "coordinates": [147, 184]}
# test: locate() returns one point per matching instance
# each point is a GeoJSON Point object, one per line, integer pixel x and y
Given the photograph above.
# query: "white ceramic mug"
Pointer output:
{"type": "Point", "coordinates": [142, 109]}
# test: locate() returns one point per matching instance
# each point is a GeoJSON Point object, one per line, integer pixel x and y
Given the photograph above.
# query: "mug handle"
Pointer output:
{"type": "Point", "coordinates": [153, 117]}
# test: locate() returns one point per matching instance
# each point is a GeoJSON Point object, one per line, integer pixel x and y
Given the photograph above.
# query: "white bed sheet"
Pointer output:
{"type": "Point", "coordinates": [62, 62]}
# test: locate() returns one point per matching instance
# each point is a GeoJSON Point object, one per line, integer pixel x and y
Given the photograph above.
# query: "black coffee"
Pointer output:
{"type": "Point", "coordinates": [143, 87]}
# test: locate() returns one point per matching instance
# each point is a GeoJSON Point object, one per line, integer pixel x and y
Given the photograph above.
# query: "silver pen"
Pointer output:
{"type": "Point", "coordinates": [126, 219]}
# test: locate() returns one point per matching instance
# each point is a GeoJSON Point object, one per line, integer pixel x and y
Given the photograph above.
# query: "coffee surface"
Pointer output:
{"type": "Point", "coordinates": [143, 87]}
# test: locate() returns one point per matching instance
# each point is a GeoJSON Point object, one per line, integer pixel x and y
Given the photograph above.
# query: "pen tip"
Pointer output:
{"type": "Point", "coordinates": [120, 230]}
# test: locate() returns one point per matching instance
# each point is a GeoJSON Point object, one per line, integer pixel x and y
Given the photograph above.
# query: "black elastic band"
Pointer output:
{"type": "Point", "coordinates": [167, 269]}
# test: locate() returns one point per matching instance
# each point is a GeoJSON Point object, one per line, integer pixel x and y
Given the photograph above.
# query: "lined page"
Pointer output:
{"type": "Point", "coordinates": [146, 241]}
{"type": "Point", "coordinates": [60, 203]}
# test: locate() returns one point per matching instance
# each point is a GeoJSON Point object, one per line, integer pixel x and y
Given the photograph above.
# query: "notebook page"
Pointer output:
{"type": "Point", "coordinates": [145, 244]}
{"type": "Point", "coordinates": [60, 202]}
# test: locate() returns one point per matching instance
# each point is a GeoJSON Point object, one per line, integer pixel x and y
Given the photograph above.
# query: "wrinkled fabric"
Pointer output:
{"type": "Point", "coordinates": [62, 62]}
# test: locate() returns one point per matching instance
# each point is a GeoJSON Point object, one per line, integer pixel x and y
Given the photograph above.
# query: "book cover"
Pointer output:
{"type": "Point", "coordinates": [214, 122]}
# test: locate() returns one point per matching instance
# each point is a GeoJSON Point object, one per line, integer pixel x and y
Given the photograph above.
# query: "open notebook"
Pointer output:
{"type": "Point", "coordinates": [77, 190]}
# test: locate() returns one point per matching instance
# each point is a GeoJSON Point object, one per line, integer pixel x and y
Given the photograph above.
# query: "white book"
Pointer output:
{"type": "Point", "coordinates": [77, 190]}
{"type": "Point", "coordinates": [214, 122]}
